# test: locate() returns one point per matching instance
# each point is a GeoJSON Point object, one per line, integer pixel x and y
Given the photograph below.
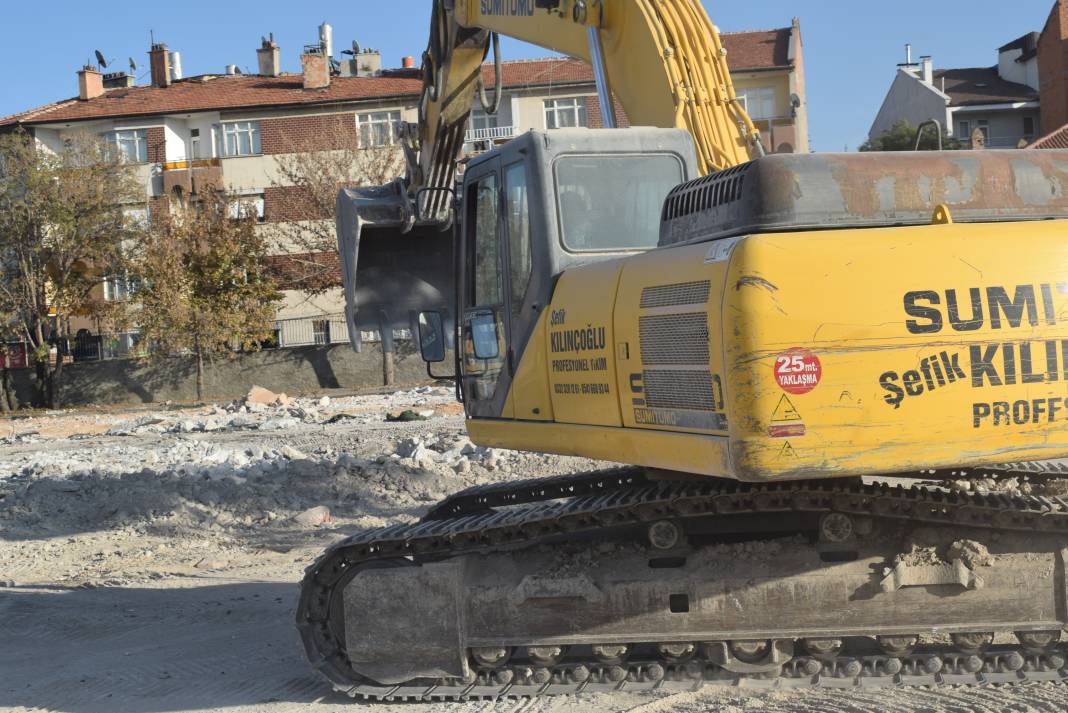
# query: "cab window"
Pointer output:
{"type": "Point", "coordinates": [517, 215]}
{"type": "Point", "coordinates": [488, 282]}
{"type": "Point", "coordinates": [613, 203]}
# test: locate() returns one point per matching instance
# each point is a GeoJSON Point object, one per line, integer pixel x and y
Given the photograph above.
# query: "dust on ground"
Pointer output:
{"type": "Point", "coordinates": [149, 557]}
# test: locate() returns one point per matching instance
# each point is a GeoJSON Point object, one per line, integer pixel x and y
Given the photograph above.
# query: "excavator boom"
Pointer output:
{"type": "Point", "coordinates": [662, 59]}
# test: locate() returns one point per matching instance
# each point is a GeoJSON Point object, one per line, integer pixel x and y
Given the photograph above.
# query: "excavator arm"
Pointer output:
{"type": "Point", "coordinates": [662, 59]}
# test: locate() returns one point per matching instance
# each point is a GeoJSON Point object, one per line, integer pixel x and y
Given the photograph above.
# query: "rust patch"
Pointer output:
{"type": "Point", "coordinates": [981, 181]}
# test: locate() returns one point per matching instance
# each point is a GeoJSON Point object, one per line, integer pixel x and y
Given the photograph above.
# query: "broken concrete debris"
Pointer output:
{"type": "Point", "coordinates": [314, 517]}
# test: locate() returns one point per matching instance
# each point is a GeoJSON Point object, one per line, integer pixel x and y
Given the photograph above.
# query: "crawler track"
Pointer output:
{"type": "Point", "coordinates": [532, 511]}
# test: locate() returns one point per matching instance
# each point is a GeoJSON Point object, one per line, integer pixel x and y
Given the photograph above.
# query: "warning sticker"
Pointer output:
{"type": "Point", "coordinates": [798, 371]}
{"type": "Point", "coordinates": [786, 421]}
{"type": "Point", "coordinates": [788, 452]}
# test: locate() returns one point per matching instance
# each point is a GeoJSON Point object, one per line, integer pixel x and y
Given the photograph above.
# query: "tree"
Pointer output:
{"type": "Point", "coordinates": [313, 175]}
{"type": "Point", "coordinates": [204, 290]}
{"type": "Point", "coordinates": [902, 137]}
{"type": "Point", "coordinates": [63, 227]}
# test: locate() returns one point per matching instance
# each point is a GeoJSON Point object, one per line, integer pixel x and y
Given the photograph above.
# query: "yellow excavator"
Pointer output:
{"type": "Point", "coordinates": [813, 367]}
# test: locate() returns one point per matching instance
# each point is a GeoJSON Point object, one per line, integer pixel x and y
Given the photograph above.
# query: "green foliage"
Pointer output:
{"type": "Point", "coordinates": [63, 227]}
{"type": "Point", "coordinates": [204, 290]}
{"type": "Point", "coordinates": [902, 137]}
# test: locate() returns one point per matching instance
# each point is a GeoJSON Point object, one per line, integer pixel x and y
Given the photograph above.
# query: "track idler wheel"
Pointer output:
{"type": "Point", "coordinates": [491, 656]}
{"type": "Point", "coordinates": [749, 651]}
{"type": "Point", "coordinates": [972, 643]}
{"type": "Point", "coordinates": [676, 651]}
{"type": "Point", "coordinates": [610, 653]}
{"type": "Point", "coordinates": [1038, 640]}
{"type": "Point", "coordinates": [545, 655]}
{"type": "Point", "coordinates": [897, 645]}
{"type": "Point", "coordinates": [822, 648]}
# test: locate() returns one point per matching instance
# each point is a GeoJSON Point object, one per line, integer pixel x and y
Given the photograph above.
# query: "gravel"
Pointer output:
{"type": "Point", "coordinates": [155, 553]}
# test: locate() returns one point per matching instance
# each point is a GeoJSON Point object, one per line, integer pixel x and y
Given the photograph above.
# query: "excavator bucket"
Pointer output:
{"type": "Point", "coordinates": [392, 267]}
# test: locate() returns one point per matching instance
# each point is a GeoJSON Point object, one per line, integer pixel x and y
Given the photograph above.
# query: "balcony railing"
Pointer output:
{"type": "Point", "coordinates": [493, 133]}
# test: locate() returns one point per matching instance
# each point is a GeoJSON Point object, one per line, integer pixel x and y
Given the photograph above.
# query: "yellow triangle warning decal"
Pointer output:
{"type": "Point", "coordinates": [788, 451]}
{"type": "Point", "coordinates": [785, 412]}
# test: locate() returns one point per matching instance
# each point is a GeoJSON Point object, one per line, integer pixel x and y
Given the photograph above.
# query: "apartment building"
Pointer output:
{"type": "Point", "coordinates": [999, 102]}
{"type": "Point", "coordinates": [232, 130]}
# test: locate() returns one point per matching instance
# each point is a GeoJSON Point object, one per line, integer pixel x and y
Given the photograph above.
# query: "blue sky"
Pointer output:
{"type": "Point", "coordinates": [851, 47]}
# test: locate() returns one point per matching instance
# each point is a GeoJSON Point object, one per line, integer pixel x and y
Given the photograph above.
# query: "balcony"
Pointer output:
{"type": "Point", "coordinates": [493, 133]}
{"type": "Point", "coordinates": [192, 176]}
{"type": "Point", "coordinates": [480, 140]}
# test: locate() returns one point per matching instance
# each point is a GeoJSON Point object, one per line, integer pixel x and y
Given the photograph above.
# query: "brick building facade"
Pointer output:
{"type": "Point", "coordinates": [231, 130]}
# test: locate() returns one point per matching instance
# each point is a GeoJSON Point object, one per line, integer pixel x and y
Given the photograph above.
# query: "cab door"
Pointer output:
{"type": "Point", "coordinates": [484, 328]}
{"type": "Point", "coordinates": [497, 271]}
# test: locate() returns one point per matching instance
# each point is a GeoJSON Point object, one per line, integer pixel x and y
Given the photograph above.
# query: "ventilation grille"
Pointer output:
{"type": "Point", "coordinates": [686, 293]}
{"type": "Point", "coordinates": [681, 390]}
{"type": "Point", "coordinates": [705, 193]}
{"type": "Point", "coordinates": [675, 339]}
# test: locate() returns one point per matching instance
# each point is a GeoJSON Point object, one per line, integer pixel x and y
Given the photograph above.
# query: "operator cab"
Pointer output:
{"type": "Point", "coordinates": [538, 205]}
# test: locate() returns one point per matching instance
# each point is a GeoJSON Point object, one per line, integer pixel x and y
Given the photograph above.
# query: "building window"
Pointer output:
{"type": "Point", "coordinates": [759, 102]}
{"type": "Point", "coordinates": [481, 120]}
{"type": "Point", "coordinates": [194, 144]}
{"type": "Point", "coordinates": [321, 331]}
{"type": "Point", "coordinates": [247, 205]}
{"type": "Point", "coordinates": [1029, 127]}
{"type": "Point", "coordinates": [238, 138]}
{"type": "Point", "coordinates": [119, 288]}
{"type": "Point", "coordinates": [984, 126]}
{"type": "Point", "coordinates": [964, 129]}
{"type": "Point", "coordinates": [130, 146]}
{"type": "Point", "coordinates": [381, 128]}
{"type": "Point", "coordinates": [565, 113]}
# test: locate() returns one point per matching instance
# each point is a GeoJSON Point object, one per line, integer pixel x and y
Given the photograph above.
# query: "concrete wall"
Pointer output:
{"type": "Point", "coordinates": [1020, 72]}
{"type": "Point", "coordinates": [910, 99]}
{"type": "Point", "coordinates": [306, 370]}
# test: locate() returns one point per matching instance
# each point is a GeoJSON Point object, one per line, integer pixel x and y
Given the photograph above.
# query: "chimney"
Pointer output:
{"type": "Point", "coordinates": [408, 62]}
{"type": "Point", "coordinates": [176, 65]}
{"type": "Point", "coordinates": [928, 70]}
{"type": "Point", "coordinates": [118, 80]}
{"type": "Point", "coordinates": [316, 68]}
{"type": "Point", "coordinates": [368, 63]}
{"type": "Point", "coordinates": [270, 58]}
{"type": "Point", "coordinates": [908, 54]}
{"type": "Point", "coordinates": [160, 60]}
{"type": "Point", "coordinates": [90, 83]}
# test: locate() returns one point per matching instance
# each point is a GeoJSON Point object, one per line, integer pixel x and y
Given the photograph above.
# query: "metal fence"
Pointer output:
{"type": "Point", "coordinates": [324, 329]}
{"type": "Point", "coordinates": [309, 331]}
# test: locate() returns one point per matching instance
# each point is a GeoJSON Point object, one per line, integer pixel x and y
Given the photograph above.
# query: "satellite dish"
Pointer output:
{"type": "Point", "coordinates": [354, 51]}
{"type": "Point", "coordinates": [100, 60]}
{"type": "Point", "coordinates": [237, 70]}
{"type": "Point", "coordinates": [133, 66]}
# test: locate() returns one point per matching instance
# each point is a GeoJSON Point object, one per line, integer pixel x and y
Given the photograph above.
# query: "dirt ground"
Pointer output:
{"type": "Point", "coordinates": [149, 558]}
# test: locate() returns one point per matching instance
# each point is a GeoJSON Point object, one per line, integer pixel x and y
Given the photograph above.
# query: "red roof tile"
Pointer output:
{"type": "Point", "coordinates": [1057, 139]}
{"type": "Point", "coordinates": [765, 49]}
{"type": "Point", "coordinates": [746, 51]}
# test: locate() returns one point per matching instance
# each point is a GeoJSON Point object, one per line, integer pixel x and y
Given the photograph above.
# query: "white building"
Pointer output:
{"type": "Point", "coordinates": [1000, 101]}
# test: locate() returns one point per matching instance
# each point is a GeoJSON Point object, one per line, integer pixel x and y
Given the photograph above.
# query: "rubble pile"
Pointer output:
{"type": "Point", "coordinates": [208, 487]}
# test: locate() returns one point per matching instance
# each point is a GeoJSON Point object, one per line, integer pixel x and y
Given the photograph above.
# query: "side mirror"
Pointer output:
{"type": "Point", "coordinates": [431, 337]}
{"type": "Point", "coordinates": [484, 335]}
